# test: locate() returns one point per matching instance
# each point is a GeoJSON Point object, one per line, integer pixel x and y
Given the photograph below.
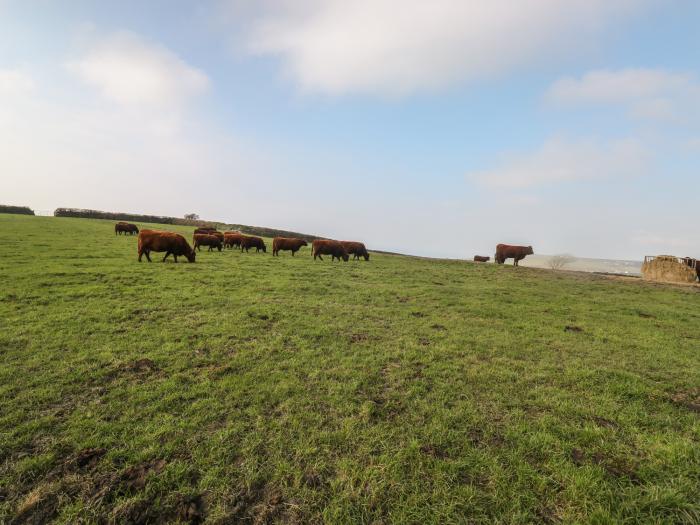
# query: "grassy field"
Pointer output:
{"type": "Point", "coordinates": [399, 390]}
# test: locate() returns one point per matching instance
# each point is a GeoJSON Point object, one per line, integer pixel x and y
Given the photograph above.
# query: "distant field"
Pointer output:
{"type": "Point", "coordinates": [399, 390]}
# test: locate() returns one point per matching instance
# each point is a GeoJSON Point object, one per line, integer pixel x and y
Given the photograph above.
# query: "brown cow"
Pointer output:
{"type": "Point", "coordinates": [517, 253]}
{"type": "Point", "coordinates": [357, 249]}
{"type": "Point", "coordinates": [291, 244]}
{"type": "Point", "coordinates": [232, 239]}
{"type": "Point", "coordinates": [481, 258]}
{"type": "Point", "coordinates": [202, 239]}
{"type": "Point", "coordinates": [249, 241]}
{"type": "Point", "coordinates": [125, 227]}
{"type": "Point", "coordinates": [160, 241]}
{"type": "Point", "coordinates": [327, 247]}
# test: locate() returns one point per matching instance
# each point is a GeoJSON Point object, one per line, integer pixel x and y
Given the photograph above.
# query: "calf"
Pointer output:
{"type": "Point", "coordinates": [356, 249]}
{"type": "Point", "coordinates": [517, 253]}
{"type": "Point", "coordinates": [326, 247]}
{"type": "Point", "coordinates": [203, 239]}
{"type": "Point", "coordinates": [287, 244]}
{"type": "Point", "coordinates": [248, 242]}
{"type": "Point", "coordinates": [160, 241]}
{"type": "Point", "coordinates": [481, 258]}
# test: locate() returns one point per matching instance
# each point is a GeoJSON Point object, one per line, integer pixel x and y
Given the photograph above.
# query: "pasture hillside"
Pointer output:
{"type": "Point", "coordinates": [399, 390]}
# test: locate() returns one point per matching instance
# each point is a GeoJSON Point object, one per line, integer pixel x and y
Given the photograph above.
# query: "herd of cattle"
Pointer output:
{"type": "Point", "coordinates": [176, 245]}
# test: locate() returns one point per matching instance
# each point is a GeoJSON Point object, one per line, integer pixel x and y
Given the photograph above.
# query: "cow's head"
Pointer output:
{"type": "Point", "coordinates": [345, 256]}
{"type": "Point", "coordinates": [264, 248]}
{"type": "Point", "coordinates": [366, 256]}
{"type": "Point", "coordinates": [304, 243]}
{"type": "Point", "coordinates": [530, 251]}
{"type": "Point", "coordinates": [190, 256]}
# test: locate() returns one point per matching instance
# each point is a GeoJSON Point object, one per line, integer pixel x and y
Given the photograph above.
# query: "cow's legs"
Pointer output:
{"type": "Point", "coordinates": [166, 256]}
{"type": "Point", "coordinates": [140, 254]}
{"type": "Point", "coordinates": [175, 257]}
{"type": "Point", "coordinates": [148, 255]}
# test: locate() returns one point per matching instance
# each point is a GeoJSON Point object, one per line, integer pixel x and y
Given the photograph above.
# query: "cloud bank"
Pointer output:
{"type": "Point", "coordinates": [395, 47]}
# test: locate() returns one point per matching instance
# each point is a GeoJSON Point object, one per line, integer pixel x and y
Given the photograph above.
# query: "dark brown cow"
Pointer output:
{"type": "Point", "coordinates": [326, 247]}
{"type": "Point", "coordinates": [481, 258]}
{"type": "Point", "coordinates": [160, 241]}
{"type": "Point", "coordinates": [517, 253]}
{"type": "Point", "coordinates": [232, 239]}
{"type": "Point", "coordinates": [125, 227]}
{"type": "Point", "coordinates": [202, 239]}
{"type": "Point", "coordinates": [356, 249]}
{"type": "Point", "coordinates": [249, 241]}
{"type": "Point", "coordinates": [290, 244]}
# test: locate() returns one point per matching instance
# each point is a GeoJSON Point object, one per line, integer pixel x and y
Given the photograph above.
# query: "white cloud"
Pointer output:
{"type": "Point", "coordinates": [399, 46]}
{"type": "Point", "coordinates": [129, 70]}
{"type": "Point", "coordinates": [646, 93]}
{"type": "Point", "coordinates": [562, 161]}
{"type": "Point", "coordinates": [15, 82]}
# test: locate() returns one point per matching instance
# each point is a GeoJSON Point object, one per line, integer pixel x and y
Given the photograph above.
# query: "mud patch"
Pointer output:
{"type": "Point", "coordinates": [435, 451]}
{"type": "Point", "coordinates": [140, 366]}
{"type": "Point", "coordinates": [573, 328]}
{"type": "Point", "coordinates": [688, 399]}
{"type": "Point", "coordinates": [362, 337]}
{"type": "Point", "coordinates": [134, 478]}
{"type": "Point", "coordinates": [85, 459]}
{"type": "Point", "coordinates": [424, 341]}
{"type": "Point", "coordinates": [258, 504]}
{"type": "Point", "coordinates": [613, 467]}
{"type": "Point", "coordinates": [606, 423]}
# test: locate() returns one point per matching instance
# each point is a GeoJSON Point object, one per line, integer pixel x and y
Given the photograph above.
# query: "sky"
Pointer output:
{"type": "Point", "coordinates": [433, 128]}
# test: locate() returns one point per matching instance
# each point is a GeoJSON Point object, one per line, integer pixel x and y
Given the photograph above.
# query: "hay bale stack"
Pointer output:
{"type": "Point", "coordinates": [666, 268]}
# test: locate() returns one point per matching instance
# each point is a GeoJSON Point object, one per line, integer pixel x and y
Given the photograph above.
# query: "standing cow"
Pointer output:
{"type": "Point", "coordinates": [291, 244]}
{"type": "Point", "coordinates": [333, 248]}
{"type": "Point", "coordinates": [517, 253]}
{"type": "Point", "coordinates": [248, 241]}
{"type": "Point", "coordinates": [203, 239]}
{"type": "Point", "coordinates": [125, 227]}
{"type": "Point", "coordinates": [160, 241]}
{"type": "Point", "coordinates": [356, 249]}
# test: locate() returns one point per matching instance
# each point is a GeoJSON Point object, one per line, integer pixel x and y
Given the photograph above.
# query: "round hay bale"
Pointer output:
{"type": "Point", "coordinates": [667, 268]}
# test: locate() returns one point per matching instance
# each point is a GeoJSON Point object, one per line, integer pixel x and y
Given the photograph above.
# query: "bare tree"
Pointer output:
{"type": "Point", "coordinates": [557, 262]}
{"type": "Point", "coordinates": [191, 216]}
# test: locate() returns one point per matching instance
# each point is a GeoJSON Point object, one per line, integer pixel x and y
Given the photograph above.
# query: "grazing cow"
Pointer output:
{"type": "Point", "coordinates": [248, 241]}
{"type": "Point", "coordinates": [287, 244]}
{"type": "Point", "coordinates": [125, 227]}
{"type": "Point", "coordinates": [357, 249]}
{"type": "Point", "coordinates": [326, 247]}
{"type": "Point", "coordinates": [517, 253]}
{"type": "Point", "coordinates": [481, 258]}
{"type": "Point", "coordinates": [202, 239]}
{"type": "Point", "coordinates": [159, 241]}
{"type": "Point", "coordinates": [232, 239]}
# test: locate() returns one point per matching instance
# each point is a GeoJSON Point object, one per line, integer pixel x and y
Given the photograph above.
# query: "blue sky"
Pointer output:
{"type": "Point", "coordinates": [436, 128]}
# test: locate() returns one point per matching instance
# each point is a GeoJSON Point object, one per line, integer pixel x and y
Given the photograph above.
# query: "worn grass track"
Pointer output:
{"type": "Point", "coordinates": [399, 390]}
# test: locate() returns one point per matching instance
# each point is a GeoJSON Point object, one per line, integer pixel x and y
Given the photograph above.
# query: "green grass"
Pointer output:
{"type": "Point", "coordinates": [399, 390]}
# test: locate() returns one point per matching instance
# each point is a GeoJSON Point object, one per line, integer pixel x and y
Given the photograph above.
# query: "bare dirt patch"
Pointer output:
{"type": "Point", "coordinates": [689, 399]}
